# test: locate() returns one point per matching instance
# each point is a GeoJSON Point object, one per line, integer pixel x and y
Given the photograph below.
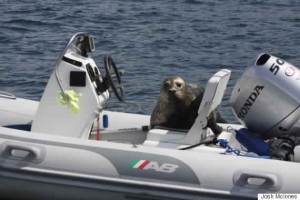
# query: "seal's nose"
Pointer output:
{"type": "Point", "coordinates": [172, 90]}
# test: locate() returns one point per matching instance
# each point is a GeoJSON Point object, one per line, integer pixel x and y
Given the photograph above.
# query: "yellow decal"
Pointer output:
{"type": "Point", "coordinates": [72, 100]}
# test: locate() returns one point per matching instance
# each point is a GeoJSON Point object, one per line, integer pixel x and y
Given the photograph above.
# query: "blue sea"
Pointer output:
{"type": "Point", "coordinates": [148, 39]}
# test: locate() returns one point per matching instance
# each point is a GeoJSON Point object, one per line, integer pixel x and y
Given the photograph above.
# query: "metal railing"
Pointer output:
{"type": "Point", "coordinates": [59, 81]}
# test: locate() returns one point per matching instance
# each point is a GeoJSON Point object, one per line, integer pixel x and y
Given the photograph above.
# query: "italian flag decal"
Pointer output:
{"type": "Point", "coordinates": [153, 165]}
{"type": "Point", "coordinates": [139, 164]}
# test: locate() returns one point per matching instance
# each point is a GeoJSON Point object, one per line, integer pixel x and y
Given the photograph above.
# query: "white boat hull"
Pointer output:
{"type": "Point", "coordinates": [93, 166]}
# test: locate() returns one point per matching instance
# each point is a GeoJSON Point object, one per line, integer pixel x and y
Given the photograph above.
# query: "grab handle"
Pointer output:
{"type": "Point", "coordinates": [257, 179]}
{"type": "Point", "coordinates": [7, 95]}
{"type": "Point", "coordinates": [24, 152]}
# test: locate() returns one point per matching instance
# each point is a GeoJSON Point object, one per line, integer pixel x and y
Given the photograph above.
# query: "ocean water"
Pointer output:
{"type": "Point", "coordinates": [148, 39]}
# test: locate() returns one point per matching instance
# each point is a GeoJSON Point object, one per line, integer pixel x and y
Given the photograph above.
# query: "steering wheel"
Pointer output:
{"type": "Point", "coordinates": [113, 77]}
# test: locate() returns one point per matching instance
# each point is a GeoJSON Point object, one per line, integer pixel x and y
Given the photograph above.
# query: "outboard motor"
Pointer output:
{"type": "Point", "coordinates": [266, 99]}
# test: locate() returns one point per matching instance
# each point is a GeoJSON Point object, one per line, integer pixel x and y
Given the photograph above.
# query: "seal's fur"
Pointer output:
{"type": "Point", "coordinates": [178, 104]}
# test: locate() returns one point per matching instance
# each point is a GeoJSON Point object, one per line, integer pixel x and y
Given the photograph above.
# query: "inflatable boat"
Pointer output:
{"type": "Point", "coordinates": [68, 146]}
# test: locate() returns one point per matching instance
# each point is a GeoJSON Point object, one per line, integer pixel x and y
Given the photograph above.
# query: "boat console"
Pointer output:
{"type": "Point", "coordinates": [76, 92]}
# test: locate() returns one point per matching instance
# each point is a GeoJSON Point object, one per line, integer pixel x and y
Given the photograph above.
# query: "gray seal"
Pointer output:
{"type": "Point", "coordinates": [178, 104]}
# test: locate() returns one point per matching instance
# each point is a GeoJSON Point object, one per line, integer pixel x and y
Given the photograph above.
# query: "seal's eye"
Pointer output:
{"type": "Point", "coordinates": [178, 84]}
{"type": "Point", "coordinates": [167, 84]}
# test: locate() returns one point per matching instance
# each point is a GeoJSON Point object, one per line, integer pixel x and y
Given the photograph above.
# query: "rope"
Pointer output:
{"type": "Point", "coordinates": [206, 142]}
{"type": "Point", "coordinates": [224, 144]}
{"type": "Point", "coordinates": [98, 129]}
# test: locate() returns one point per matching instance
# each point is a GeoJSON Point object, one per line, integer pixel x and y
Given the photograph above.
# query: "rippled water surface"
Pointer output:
{"type": "Point", "coordinates": [148, 39]}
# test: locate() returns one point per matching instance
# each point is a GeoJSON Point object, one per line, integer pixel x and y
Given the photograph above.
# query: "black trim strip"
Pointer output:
{"type": "Point", "coordinates": [72, 62]}
{"type": "Point", "coordinates": [147, 190]}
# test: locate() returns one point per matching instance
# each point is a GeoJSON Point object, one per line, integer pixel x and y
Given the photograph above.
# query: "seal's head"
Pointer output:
{"type": "Point", "coordinates": [173, 88]}
{"type": "Point", "coordinates": [178, 104]}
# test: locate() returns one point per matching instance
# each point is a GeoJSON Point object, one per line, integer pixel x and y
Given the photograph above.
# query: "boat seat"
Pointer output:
{"type": "Point", "coordinates": [212, 98]}
{"type": "Point", "coordinates": [163, 134]}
